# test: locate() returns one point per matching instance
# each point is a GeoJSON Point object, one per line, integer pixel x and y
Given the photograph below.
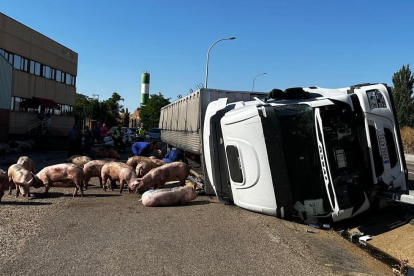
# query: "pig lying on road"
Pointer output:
{"type": "Point", "coordinates": [145, 167]}
{"type": "Point", "coordinates": [116, 171]}
{"type": "Point", "coordinates": [4, 183]}
{"type": "Point", "coordinates": [157, 177]}
{"type": "Point", "coordinates": [97, 153]}
{"type": "Point", "coordinates": [79, 161]}
{"type": "Point", "coordinates": [135, 160]}
{"type": "Point", "coordinates": [62, 173]}
{"type": "Point", "coordinates": [22, 178]}
{"type": "Point", "coordinates": [27, 163]}
{"type": "Point", "coordinates": [169, 197]}
{"type": "Point", "coordinates": [93, 169]}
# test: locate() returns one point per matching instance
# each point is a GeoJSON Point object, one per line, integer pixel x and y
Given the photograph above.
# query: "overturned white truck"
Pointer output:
{"type": "Point", "coordinates": [322, 152]}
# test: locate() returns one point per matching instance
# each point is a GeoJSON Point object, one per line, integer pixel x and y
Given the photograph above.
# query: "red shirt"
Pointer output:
{"type": "Point", "coordinates": [104, 131]}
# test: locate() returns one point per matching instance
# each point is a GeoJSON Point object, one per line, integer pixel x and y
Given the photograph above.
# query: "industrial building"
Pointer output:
{"type": "Point", "coordinates": [37, 77]}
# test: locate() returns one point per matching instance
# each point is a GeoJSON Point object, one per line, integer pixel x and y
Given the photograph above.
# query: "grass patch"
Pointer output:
{"type": "Point", "coordinates": [407, 137]}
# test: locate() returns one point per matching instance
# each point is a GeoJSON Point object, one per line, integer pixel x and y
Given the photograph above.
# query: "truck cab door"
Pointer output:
{"type": "Point", "coordinates": [214, 152]}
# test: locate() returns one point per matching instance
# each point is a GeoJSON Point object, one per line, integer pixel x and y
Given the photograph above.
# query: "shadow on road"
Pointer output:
{"type": "Point", "coordinates": [25, 203]}
{"type": "Point", "coordinates": [101, 195]}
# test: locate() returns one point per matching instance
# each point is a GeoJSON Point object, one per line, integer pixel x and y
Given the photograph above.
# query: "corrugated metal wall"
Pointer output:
{"type": "Point", "coordinates": [181, 120]}
{"type": "Point", "coordinates": [6, 80]}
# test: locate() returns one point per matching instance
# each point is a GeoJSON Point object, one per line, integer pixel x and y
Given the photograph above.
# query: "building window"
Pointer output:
{"type": "Point", "coordinates": [46, 72]}
{"type": "Point", "coordinates": [58, 76]}
{"type": "Point", "coordinates": [68, 79]}
{"type": "Point", "coordinates": [25, 64]}
{"type": "Point", "coordinates": [67, 110]}
{"type": "Point", "coordinates": [32, 67]}
{"type": "Point", "coordinates": [17, 62]}
{"type": "Point", "coordinates": [37, 68]}
{"type": "Point", "coordinates": [10, 58]}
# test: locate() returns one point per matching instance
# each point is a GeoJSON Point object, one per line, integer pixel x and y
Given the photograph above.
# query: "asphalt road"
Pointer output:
{"type": "Point", "coordinates": [112, 234]}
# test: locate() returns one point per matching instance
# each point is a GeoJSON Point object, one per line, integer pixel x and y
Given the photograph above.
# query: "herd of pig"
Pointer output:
{"type": "Point", "coordinates": [138, 173]}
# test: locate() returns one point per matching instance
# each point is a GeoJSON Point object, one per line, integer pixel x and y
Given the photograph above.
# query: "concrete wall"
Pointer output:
{"type": "Point", "coordinates": [22, 40]}
{"type": "Point", "coordinates": [28, 85]}
{"type": "Point", "coordinates": [6, 81]}
{"type": "Point", "coordinates": [20, 122]}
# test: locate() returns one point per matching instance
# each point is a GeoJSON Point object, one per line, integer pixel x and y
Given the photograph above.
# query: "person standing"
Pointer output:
{"type": "Point", "coordinates": [97, 133]}
{"type": "Point", "coordinates": [72, 136]}
{"type": "Point", "coordinates": [104, 131]}
{"type": "Point", "coordinates": [88, 140]}
{"type": "Point", "coordinates": [48, 115]}
{"type": "Point", "coordinates": [117, 138]}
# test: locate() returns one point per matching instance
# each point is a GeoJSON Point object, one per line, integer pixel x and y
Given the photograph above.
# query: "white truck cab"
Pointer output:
{"type": "Point", "coordinates": [325, 152]}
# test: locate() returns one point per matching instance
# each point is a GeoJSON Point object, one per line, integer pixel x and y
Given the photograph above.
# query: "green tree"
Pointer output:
{"type": "Point", "coordinates": [110, 110]}
{"type": "Point", "coordinates": [125, 118]}
{"type": "Point", "coordinates": [82, 107]}
{"type": "Point", "coordinates": [150, 114]}
{"type": "Point", "coordinates": [403, 81]}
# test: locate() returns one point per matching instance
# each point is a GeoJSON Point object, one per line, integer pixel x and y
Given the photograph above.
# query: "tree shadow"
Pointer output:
{"type": "Point", "coordinates": [102, 195]}
{"type": "Point", "coordinates": [25, 203]}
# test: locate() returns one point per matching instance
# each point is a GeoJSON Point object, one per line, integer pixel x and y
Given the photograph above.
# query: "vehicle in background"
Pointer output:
{"type": "Point", "coordinates": [154, 134]}
{"type": "Point", "coordinates": [127, 137]}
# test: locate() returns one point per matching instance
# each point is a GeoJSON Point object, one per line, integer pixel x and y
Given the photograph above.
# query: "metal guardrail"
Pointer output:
{"type": "Point", "coordinates": [41, 124]}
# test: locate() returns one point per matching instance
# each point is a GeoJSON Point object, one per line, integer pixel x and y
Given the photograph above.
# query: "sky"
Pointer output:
{"type": "Point", "coordinates": [330, 44]}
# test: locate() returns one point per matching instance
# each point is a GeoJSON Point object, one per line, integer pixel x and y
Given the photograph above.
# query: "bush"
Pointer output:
{"type": "Point", "coordinates": [407, 137]}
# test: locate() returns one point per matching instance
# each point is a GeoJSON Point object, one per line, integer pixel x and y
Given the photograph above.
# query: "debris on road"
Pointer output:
{"type": "Point", "coordinates": [364, 239]}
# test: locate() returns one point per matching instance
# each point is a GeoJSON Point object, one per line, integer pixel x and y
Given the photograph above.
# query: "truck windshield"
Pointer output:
{"type": "Point", "coordinates": [297, 125]}
{"type": "Point", "coordinates": [347, 153]}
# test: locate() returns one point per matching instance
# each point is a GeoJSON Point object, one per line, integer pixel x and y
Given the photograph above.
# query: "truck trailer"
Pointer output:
{"type": "Point", "coordinates": [308, 151]}
{"type": "Point", "coordinates": [181, 123]}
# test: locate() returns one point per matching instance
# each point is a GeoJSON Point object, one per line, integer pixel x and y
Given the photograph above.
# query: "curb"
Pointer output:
{"type": "Point", "coordinates": [409, 158]}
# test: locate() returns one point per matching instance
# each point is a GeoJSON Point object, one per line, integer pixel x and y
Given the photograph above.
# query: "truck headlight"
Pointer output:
{"type": "Point", "coordinates": [376, 99]}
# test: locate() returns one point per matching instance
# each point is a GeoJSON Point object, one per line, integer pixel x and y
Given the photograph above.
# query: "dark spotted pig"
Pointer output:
{"type": "Point", "coordinates": [98, 153]}
{"type": "Point", "coordinates": [62, 175]}
{"type": "Point", "coordinates": [169, 197]}
{"type": "Point", "coordinates": [79, 161]}
{"type": "Point", "coordinates": [157, 177]}
{"type": "Point", "coordinates": [4, 183]}
{"type": "Point", "coordinates": [117, 171]}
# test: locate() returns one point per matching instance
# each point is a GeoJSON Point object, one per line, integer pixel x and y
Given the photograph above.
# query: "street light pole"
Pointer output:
{"type": "Point", "coordinates": [208, 55]}
{"type": "Point", "coordinates": [256, 77]}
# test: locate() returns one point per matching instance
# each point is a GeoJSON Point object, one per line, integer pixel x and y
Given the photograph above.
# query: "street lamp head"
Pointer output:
{"type": "Point", "coordinates": [264, 73]}
{"type": "Point", "coordinates": [232, 38]}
